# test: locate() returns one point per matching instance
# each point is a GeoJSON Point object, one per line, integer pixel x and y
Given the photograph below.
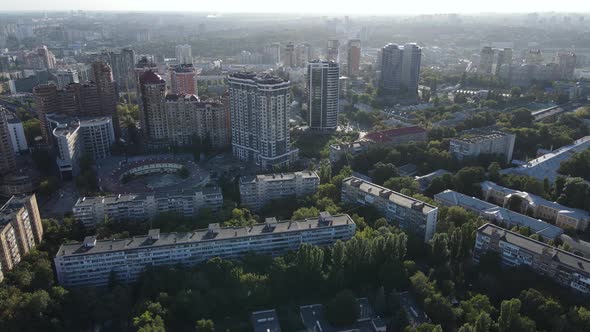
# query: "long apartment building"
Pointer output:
{"type": "Point", "coordinates": [473, 143]}
{"type": "Point", "coordinates": [564, 267]}
{"type": "Point", "coordinates": [92, 262]}
{"type": "Point", "coordinates": [498, 214]}
{"type": "Point", "coordinates": [20, 230]}
{"type": "Point", "coordinates": [412, 215]}
{"type": "Point", "coordinates": [259, 190]}
{"type": "Point", "coordinates": [560, 215]}
{"type": "Point", "coordinates": [93, 210]}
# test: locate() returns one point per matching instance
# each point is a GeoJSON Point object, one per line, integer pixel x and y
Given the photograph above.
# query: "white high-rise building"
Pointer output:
{"type": "Point", "coordinates": [323, 88]}
{"type": "Point", "coordinates": [259, 108]}
{"type": "Point", "coordinates": [17, 134]}
{"type": "Point", "coordinates": [184, 54]}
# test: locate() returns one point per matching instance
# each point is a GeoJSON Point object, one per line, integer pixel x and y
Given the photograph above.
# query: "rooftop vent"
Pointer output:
{"type": "Point", "coordinates": [90, 241]}
{"type": "Point", "coordinates": [154, 234]}
{"type": "Point", "coordinates": [270, 223]}
{"type": "Point", "coordinates": [214, 228]}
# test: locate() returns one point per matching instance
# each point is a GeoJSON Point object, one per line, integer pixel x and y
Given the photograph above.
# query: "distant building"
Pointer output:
{"type": "Point", "coordinates": [413, 216]}
{"type": "Point", "coordinates": [259, 190]}
{"type": "Point", "coordinates": [476, 142]}
{"type": "Point", "coordinates": [486, 61]}
{"type": "Point", "coordinates": [92, 211]}
{"type": "Point", "coordinates": [151, 104]}
{"type": "Point", "coordinates": [412, 59]}
{"type": "Point", "coordinates": [17, 134]}
{"type": "Point", "coordinates": [184, 54]}
{"type": "Point", "coordinates": [332, 50]}
{"type": "Point", "coordinates": [567, 65]}
{"type": "Point", "coordinates": [498, 214]}
{"type": "Point", "coordinates": [20, 230]}
{"type": "Point", "coordinates": [354, 57]}
{"type": "Point", "coordinates": [398, 135]}
{"type": "Point", "coordinates": [259, 106]}
{"type": "Point", "coordinates": [93, 262]}
{"type": "Point", "coordinates": [391, 67]}
{"type": "Point", "coordinates": [65, 77]}
{"type": "Point", "coordinates": [339, 150]}
{"type": "Point", "coordinates": [7, 160]}
{"type": "Point", "coordinates": [289, 59]}
{"type": "Point", "coordinates": [183, 79]}
{"type": "Point", "coordinates": [563, 267]}
{"type": "Point", "coordinates": [323, 90]}
{"type": "Point", "coordinates": [562, 216]}
{"type": "Point", "coordinates": [123, 64]}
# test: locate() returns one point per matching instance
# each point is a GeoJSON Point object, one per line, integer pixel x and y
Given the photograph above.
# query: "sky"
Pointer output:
{"type": "Point", "coordinates": [356, 7]}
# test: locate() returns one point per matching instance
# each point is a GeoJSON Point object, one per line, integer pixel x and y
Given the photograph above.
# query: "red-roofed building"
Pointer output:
{"type": "Point", "coordinates": [398, 135]}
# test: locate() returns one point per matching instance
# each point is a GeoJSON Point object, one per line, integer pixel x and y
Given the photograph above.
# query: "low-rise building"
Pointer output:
{"type": "Point", "coordinates": [93, 210]}
{"type": "Point", "coordinates": [259, 190]}
{"type": "Point", "coordinates": [339, 150]}
{"type": "Point", "coordinates": [93, 262]}
{"type": "Point", "coordinates": [546, 166]}
{"type": "Point", "coordinates": [476, 142]}
{"type": "Point", "coordinates": [398, 135]}
{"type": "Point", "coordinates": [514, 249]}
{"type": "Point", "coordinates": [20, 230]}
{"type": "Point", "coordinates": [560, 215]}
{"type": "Point", "coordinates": [425, 181]}
{"type": "Point", "coordinates": [498, 214]}
{"type": "Point", "coordinates": [412, 215]}
{"type": "Point", "coordinates": [265, 321]}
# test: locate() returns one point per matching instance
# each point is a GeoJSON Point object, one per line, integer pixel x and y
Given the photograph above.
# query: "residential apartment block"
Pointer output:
{"type": "Point", "coordinates": [514, 249]}
{"type": "Point", "coordinates": [398, 135]}
{"type": "Point", "coordinates": [498, 214]}
{"type": "Point", "coordinates": [562, 216]}
{"type": "Point", "coordinates": [92, 211]}
{"type": "Point", "coordinates": [475, 142]}
{"type": "Point", "coordinates": [92, 262]}
{"type": "Point", "coordinates": [413, 216]}
{"type": "Point", "coordinates": [257, 191]}
{"type": "Point", "coordinates": [20, 230]}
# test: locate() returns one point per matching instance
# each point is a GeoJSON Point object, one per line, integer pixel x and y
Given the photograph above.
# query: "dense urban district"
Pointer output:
{"type": "Point", "coordinates": [201, 172]}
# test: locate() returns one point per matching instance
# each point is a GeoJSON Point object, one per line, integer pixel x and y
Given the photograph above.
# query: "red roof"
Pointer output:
{"type": "Point", "coordinates": [385, 136]}
{"type": "Point", "coordinates": [150, 77]}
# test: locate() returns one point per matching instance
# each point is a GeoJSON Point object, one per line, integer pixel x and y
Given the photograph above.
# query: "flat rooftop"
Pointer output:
{"type": "Point", "coordinates": [499, 214]}
{"type": "Point", "coordinates": [112, 199]}
{"type": "Point", "coordinates": [278, 177]}
{"type": "Point", "coordinates": [476, 136]}
{"type": "Point", "coordinates": [214, 233]}
{"type": "Point", "coordinates": [9, 208]}
{"type": "Point", "coordinates": [393, 196]}
{"type": "Point", "coordinates": [265, 321]}
{"type": "Point", "coordinates": [573, 261]}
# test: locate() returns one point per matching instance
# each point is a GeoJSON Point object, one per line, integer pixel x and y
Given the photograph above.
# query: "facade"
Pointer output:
{"type": "Point", "coordinates": [259, 190]}
{"type": "Point", "coordinates": [7, 160]}
{"type": "Point", "coordinates": [92, 211]}
{"type": "Point", "coordinates": [289, 58]}
{"type": "Point", "coordinates": [17, 134]}
{"type": "Point", "coordinates": [562, 216]}
{"type": "Point", "coordinates": [183, 79]}
{"type": "Point", "coordinates": [354, 57]}
{"type": "Point", "coordinates": [68, 144]}
{"type": "Point", "coordinates": [565, 268]}
{"type": "Point", "coordinates": [398, 135]}
{"type": "Point", "coordinates": [186, 116]}
{"type": "Point", "coordinates": [498, 214]}
{"type": "Point", "coordinates": [323, 90]}
{"type": "Point", "coordinates": [92, 262]}
{"type": "Point", "coordinates": [184, 54]}
{"type": "Point", "coordinates": [20, 230]}
{"type": "Point", "coordinates": [412, 59]}
{"type": "Point", "coordinates": [391, 67]}
{"type": "Point", "coordinates": [412, 215]}
{"type": "Point", "coordinates": [122, 63]}
{"type": "Point", "coordinates": [486, 61]}
{"type": "Point", "coordinates": [567, 65]}
{"type": "Point", "coordinates": [259, 106]}
{"type": "Point", "coordinates": [476, 142]}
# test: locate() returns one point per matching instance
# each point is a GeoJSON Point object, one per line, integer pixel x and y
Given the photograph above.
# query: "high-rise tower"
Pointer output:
{"type": "Point", "coordinates": [323, 88]}
{"type": "Point", "coordinates": [354, 57]}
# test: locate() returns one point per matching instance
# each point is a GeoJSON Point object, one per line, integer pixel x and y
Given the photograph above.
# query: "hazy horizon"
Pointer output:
{"type": "Point", "coordinates": [367, 7]}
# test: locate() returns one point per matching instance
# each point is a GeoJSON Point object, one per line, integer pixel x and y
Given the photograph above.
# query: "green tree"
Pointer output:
{"type": "Point", "coordinates": [383, 172]}
{"type": "Point", "coordinates": [205, 325]}
{"type": "Point", "coordinates": [343, 309]}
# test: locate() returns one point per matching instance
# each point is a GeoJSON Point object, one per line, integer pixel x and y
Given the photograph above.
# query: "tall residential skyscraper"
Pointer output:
{"type": "Point", "coordinates": [567, 64]}
{"type": "Point", "coordinates": [411, 67]}
{"type": "Point", "coordinates": [259, 106]}
{"type": "Point", "coordinates": [391, 67]}
{"type": "Point", "coordinates": [152, 111]}
{"type": "Point", "coordinates": [183, 79]}
{"type": "Point", "coordinates": [486, 60]}
{"type": "Point", "coordinates": [303, 54]}
{"type": "Point", "coordinates": [323, 88]}
{"type": "Point", "coordinates": [332, 51]}
{"type": "Point", "coordinates": [7, 161]}
{"type": "Point", "coordinates": [45, 97]}
{"type": "Point", "coordinates": [289, 60]}
{"type": "Point", "coordinates": [354, 57]}
{"type": "Point", "coordinates": [122, 63]}
{"type": "Point", "coordinates": [184, 54]}
{"type": "Point", "coordinates": [106, 89]}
